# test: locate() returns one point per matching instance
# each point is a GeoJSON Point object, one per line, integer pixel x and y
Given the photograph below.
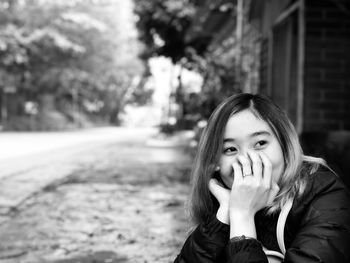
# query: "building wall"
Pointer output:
{"type": "Point", "coordinates": [263, 71]}
{"type": "Point", "coordinates": [327, 66]}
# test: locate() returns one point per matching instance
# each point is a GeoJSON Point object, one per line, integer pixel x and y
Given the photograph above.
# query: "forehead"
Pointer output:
{"type": "Point", "coordinates": [243, 124]}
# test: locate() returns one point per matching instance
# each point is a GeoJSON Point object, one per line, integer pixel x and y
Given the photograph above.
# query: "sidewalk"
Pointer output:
{"type": "Point", "coordinates": [33, 175]}
{"type": "Point", "coordinates": [125, 204]}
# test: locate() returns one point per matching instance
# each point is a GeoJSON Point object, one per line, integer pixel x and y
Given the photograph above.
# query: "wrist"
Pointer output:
{"type": "Point", "coordinates": [235, 214]}
{"type": "Point", "coordinates": [242, 224]}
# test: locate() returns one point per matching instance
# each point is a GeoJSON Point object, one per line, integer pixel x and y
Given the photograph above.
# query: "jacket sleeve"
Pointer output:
{"type": "Point", "coordinates": [324, 229]}
{"type": "Point", "coordinates": [245, 251]}
{"type": "Point", "coordinates": [206, 244]}
{"type": "Point", "coordinates": [209, 243]}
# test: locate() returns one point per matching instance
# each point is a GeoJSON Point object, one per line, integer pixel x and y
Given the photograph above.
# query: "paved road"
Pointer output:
{"type": "Point", "coordinates": [101, 195]}
{"type": "Point", "coordinates": [30, 161]}
{"type": "Point", "coordinates": [23, 144]}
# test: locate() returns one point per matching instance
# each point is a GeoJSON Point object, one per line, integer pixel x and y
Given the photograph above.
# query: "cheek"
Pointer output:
{"type": "Point", "coordinates": [277, 161]}
{"type": "Point", "coordinates": [226, 170]}
{"type": "Point", "coordinates": [225, 165]}
{"type": "Point", "coordinates": [277, 170]}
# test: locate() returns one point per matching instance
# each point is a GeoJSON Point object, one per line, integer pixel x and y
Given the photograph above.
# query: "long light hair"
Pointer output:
{"type": "Point", "coordinates": [297, 166]}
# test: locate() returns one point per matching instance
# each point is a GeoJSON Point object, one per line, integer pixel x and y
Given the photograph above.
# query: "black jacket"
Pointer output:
{"type": "Point", "coordinates": [317, 230]}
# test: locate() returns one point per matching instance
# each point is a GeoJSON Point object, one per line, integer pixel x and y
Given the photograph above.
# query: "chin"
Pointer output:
{"type": "Point", "coordinates": [227, 183]}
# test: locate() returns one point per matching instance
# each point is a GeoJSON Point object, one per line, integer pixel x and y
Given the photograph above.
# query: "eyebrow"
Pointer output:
{"type": "Point", "coordinates": [254, 134]}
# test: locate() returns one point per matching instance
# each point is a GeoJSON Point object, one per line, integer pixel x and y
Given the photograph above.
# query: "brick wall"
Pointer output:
{"type": "Point", "coordinates": [327, 66]}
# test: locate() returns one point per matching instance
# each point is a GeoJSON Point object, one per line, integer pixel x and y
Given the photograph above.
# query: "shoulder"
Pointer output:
{"type": "Point", "coordinates": [321, 214]}
{"type": "Point", "coordinates": [325, 194]}
{"type": "Point", "coordinates": [323, 183]}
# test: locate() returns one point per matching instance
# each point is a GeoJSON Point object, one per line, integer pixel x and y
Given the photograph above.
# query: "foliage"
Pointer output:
{"type": "Point", "coordinates": [70, 49]}
{"type": "Point", "coordinates": [181, 30]}
{"type": "Point", "coordinates": [163, 25]}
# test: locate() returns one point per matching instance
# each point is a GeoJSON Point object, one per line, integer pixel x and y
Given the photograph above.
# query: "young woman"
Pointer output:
{"type": "Point", "coordinates": [248, 166]}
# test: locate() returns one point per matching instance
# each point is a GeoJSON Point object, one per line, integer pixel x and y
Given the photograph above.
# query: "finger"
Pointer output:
{"type": "Point", "coordinates": [237, 173]}
{"type": "Point", "coordinates": [267, 169]}
{"type": "Point", "coordinates": [256, 164]}
{"type": "Point", "coordinates": [215, 187]}
{"type": "Point", "coordinates": [246, 165]}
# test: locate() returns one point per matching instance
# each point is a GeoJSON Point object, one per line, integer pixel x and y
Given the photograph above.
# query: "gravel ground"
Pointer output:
{"type": "Point", "coordinates": [117, 209]}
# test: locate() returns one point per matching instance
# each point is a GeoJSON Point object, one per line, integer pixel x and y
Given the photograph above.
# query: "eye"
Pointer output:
{"type": "Point", "coordinates": [230, 150]}
{"type": "Point", "coordinates": [260, 144]}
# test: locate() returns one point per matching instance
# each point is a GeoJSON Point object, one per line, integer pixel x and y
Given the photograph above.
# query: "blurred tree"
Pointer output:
{"type": "Point", "coordinates": [186, 32]}
{"type": "Point", "coordinates": [70, 50]}
{"type": "Point", "coordinates": [163, 26]}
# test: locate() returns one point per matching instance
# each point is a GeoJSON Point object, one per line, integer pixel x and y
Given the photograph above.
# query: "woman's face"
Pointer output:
{"type": "Point", "coordinates": [245, 132]}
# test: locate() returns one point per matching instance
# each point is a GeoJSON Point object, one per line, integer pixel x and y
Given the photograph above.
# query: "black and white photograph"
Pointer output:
{"type": "Point", "coordinates": [174, 131]}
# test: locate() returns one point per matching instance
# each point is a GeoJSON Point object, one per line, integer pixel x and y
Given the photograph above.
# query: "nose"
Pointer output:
{"type": "Point", "coordinates": [244, 153]}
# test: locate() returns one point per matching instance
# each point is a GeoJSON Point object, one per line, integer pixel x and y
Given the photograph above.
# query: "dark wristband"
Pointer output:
{"type": "Point", "coordinates": [240, 238]}
{"type": "Point", "coordinates": [245, 249]}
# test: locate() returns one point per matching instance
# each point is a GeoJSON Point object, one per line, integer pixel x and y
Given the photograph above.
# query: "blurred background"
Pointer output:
{"type": "Point", "coordinates": [102, 103]}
